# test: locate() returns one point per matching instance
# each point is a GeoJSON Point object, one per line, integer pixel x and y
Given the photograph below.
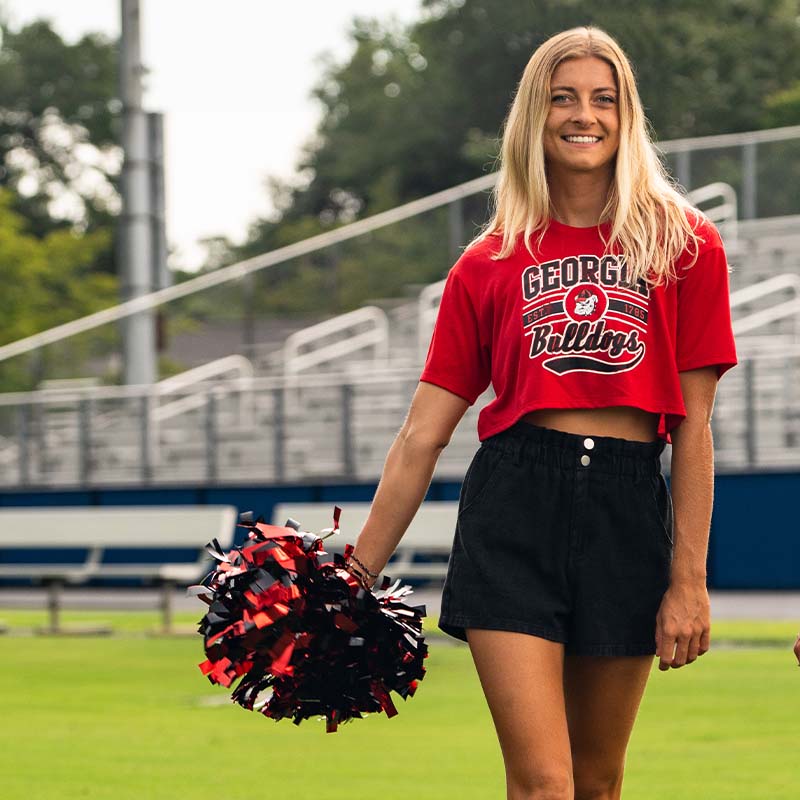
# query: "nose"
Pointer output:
{"type": "Point", "coordinates": [583, 113]}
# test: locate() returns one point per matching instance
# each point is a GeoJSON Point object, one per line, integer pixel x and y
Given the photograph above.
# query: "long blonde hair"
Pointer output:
{"type": "Point", "coordinates": [649, 219]}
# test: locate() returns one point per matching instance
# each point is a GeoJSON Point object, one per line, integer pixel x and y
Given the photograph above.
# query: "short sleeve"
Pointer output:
{"type": "Point", "coordinates": [459, 357]}
{"type": "Point", "coordinates": [704, 327]}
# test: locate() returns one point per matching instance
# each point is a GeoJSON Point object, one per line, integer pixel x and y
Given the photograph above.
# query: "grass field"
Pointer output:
{"type": "Point", "coordinates": [131, 716]}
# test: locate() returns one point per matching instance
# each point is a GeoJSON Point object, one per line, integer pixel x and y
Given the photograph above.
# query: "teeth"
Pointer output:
{"type": "Point", "coordinates": [582, 139]}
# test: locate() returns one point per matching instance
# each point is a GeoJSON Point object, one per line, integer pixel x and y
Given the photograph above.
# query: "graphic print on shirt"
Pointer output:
{"type": "Point", "coordinates": [583, 315]}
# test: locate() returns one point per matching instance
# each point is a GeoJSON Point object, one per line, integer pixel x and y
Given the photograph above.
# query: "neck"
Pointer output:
{"type": "Point", "coordinates": [578, 198]}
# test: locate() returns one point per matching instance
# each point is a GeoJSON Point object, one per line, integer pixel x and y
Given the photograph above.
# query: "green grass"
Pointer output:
{"type": "Point", "coordinates": [745, 632]}
{"type": "Point", "coordinates": [131, 716]}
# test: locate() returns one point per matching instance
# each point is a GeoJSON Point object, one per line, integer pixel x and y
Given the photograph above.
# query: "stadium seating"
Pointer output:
{"type": "Point", "coordinates": [72, 545]}
{"type": "Point", "coordinates": [421, 553]}
{"type": "Point", "coordinates": [325, 401]}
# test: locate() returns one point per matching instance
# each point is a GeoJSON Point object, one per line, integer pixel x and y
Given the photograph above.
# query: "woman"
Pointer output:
{"type": "Point", "coordinates": [596, 302]}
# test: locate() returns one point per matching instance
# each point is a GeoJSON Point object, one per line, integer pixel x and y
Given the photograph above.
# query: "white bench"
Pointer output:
{"type": "Point", "coordinates": [430, 532]}
{"type": "Point", "coordinates": [99, 529]}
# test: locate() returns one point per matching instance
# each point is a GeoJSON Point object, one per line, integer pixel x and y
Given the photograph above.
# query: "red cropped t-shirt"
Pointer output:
{"type": "Point", "coordinates": [567, 330]}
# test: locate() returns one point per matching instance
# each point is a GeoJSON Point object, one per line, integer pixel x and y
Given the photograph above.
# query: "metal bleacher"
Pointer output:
{"type": "Point", "coordinates": [328, 401]}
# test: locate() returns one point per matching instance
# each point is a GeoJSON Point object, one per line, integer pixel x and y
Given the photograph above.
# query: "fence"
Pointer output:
{"type": "Point", "coordinates": [335, 427]}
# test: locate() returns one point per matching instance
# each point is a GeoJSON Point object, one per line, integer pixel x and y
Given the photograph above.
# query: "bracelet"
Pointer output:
{"type": "Point", "coordinates": [359, 575]}
{"type": "Point", "coordinates": [363, 566]}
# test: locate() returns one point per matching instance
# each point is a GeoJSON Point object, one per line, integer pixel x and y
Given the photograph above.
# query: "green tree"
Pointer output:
{"type": "Point", "coordinates": [58, 142]}
{"type": "Point", "coordinates": [47, 281]}
{"type": "Point", "coordinates": [419, 108]}
{"type": "Point", "coordinates": [783, 107]}
{"type": "Point", "coordinates": [416, 110]}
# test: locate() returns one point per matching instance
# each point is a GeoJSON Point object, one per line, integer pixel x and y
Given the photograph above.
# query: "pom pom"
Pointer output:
{"type": "Point", "coordinates": [305, 638]}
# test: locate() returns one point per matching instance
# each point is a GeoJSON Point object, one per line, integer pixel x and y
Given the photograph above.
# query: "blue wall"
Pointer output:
{"type": "Point", "coordinates": [754, 543]}
{"type": "Point", "coordinates": [755, 533]}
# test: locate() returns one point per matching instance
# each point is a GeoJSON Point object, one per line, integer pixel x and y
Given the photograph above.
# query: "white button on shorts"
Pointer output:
{"type": "Point", "coordinates": [588, 443]}
{"type": "Point", "coordinates": [585, 460]}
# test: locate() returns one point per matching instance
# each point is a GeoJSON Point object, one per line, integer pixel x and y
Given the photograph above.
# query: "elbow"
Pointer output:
{"type": "Point", "coordinates": [700, 420]}
{"type": "Point", "coordinates": [693, 427]}
{"type": "Point", "coordinates": [423, 441]}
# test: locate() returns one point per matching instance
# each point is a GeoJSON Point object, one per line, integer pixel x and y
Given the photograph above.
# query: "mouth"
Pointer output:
{"type": "Point", "coordinates": [582, 140]}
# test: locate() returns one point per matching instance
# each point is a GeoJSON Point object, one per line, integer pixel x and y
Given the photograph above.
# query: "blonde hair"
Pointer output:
{"type": "Point", "coordinates": [649, 217]}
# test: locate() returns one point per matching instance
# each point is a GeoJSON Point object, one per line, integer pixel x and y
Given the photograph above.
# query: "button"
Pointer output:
{"type": "Point", "coordinates": [585, 460]}
{"type": "Point", "coordinates": [588, 443]}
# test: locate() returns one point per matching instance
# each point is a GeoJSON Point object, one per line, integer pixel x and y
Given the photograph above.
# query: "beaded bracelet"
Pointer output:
{"type": "Point", "coordinates": [359, 575]}
{"type": "Point", "coordinates": [363, 566]}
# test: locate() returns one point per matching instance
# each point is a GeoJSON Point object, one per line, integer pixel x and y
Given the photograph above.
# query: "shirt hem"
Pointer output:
{"type": "Point", "coordinates": [445, 384]}
{"type": "Point", "coordinates": [584, 403]}
{"type": "Point", "coordinates": [722, 365]}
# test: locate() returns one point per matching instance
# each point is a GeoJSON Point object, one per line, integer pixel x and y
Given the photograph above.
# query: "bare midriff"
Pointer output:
{"type": "Point", "coordinates": [622, 422]}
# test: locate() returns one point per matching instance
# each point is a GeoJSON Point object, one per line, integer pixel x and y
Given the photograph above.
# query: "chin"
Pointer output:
{"type": "Point", "coordinates": [584, 166]}
{"type": "Point", "coordinates": [588, 162]}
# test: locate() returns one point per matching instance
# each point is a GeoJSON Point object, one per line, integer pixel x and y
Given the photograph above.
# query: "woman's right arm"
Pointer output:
{"type": "Point", "coordinates": [407, 472]}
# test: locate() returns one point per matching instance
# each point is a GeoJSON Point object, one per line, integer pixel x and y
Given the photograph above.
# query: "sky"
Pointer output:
{"type": "Point", "coordinates": [233, 80]}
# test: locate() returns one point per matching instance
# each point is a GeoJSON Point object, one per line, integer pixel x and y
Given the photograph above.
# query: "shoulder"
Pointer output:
{"type": "Point", "coordinates": [473, 263]}
{"type": "Point", "coordinates": [708, 237]}
{"type": "Point", "coordinates": [707, 244]}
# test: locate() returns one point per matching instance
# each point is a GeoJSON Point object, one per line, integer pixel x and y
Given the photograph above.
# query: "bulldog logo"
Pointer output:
{"type": "Point", "coordinates": [585, 303]}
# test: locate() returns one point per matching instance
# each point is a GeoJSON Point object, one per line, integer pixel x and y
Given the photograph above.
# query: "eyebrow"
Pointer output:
{"type": "Point", "coordinates": [572, 89]}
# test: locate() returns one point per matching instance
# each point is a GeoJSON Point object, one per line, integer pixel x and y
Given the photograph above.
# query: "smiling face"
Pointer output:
{"type": "Point", "coordinates": [581, 132]}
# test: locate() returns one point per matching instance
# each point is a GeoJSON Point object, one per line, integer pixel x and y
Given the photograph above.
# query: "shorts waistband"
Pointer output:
{"type": "Point", "coordinates": [608, 454]}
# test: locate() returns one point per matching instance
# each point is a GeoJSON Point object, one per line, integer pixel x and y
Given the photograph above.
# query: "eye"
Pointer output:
{"type": "Point", "coordinates": [606, 98]}
{"type": "Point", "coordinates": [559, 97]}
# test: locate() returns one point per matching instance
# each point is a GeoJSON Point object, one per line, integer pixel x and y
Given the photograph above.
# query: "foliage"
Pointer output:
{"type": "Point", "coordinates": [58, 142]}
{"type": "Point", "coordinates": [47, 281]}
{"type": "Point", "coordinates": [419, 108]}
{"type": "Point", "coordinates": [783, 107]}
{"type": "Point", "coordinates": [403, 117]}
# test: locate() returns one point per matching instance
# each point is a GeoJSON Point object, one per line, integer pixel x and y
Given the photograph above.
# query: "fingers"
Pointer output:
{"type": "Point", "coordinates": [665, 650]}
{"type": "Point", "coordinates": [692, 650]}
{"type": "Point", "coordinates": [677, 650]}
{"type": "Point", "coordinates": [705, 641]}
{"type": "Point", "coordinates": [681, 652]}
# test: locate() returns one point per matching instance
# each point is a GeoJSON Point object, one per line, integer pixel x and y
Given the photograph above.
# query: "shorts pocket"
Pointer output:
{"type": "Point", "coordinates": [661, 503]}
{"type": "Point", "coordinates": [480, 476]}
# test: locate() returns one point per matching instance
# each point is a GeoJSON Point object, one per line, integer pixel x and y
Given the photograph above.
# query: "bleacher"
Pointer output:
{"type": "Point", "coordinates": [71, 546]}
{"type": "Point", "coordinates": [324, 402]}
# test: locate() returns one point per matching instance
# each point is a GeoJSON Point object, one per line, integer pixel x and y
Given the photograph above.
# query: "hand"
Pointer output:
{"type": "Point", "coordinates": [797, 650]}
{"type": "Point", "coordinates": [683, 624]}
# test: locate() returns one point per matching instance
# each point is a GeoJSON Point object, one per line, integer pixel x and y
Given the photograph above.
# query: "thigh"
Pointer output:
{"type": "Point", "coordinates": [522, 679]}
{"type": "Point", "coordinates": [602, 697]}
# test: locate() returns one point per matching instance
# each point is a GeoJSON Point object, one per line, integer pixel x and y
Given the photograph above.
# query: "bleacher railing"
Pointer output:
{"type": "Point", "coordinates": [762, 167]}
{"type": "Point", "coordinates": [336, 428]}
{"type": "Point", "coordinates": [64, 438]}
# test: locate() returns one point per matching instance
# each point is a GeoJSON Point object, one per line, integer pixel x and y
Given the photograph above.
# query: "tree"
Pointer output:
{"type": "Point", "coordinates": [48, 281]}
{"type": "Point", "coordinates": [419, 108]}
{"type": "Point", "coordinates": [58, 143]}
{"type": "Point", "coordinates": [783, 107]}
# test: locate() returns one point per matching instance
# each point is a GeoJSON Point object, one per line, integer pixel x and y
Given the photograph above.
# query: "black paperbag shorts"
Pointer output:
{"type": "Point", "coordinates": [562, 536]}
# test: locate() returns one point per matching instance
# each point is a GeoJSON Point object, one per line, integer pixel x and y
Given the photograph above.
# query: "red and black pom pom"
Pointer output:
{"type": "Point", "coordinates": [305, 638]}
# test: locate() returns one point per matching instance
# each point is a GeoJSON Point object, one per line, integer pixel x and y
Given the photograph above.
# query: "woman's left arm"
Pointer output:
{"type": "Point", "coordinates": [683, 624]}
